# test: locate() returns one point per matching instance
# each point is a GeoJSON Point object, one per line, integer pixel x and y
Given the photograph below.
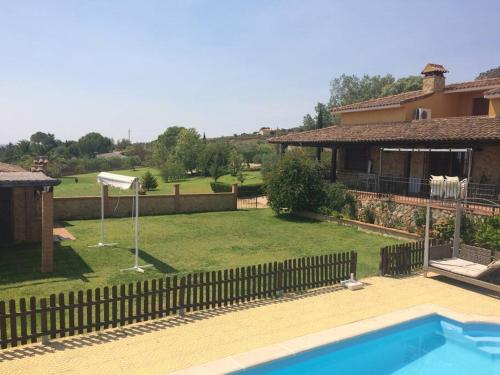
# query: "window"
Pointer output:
{"type": "Point", "coordinates": [356, 159]}
{"type": "Point", "coordinates": [480, 107]}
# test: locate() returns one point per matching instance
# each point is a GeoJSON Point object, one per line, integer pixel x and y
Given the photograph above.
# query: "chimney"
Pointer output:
{"type": "Point", "coordinates": [434, 80]}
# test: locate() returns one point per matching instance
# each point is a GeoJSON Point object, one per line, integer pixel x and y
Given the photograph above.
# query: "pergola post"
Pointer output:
{"type": "Point", "coordinates": [333, 166]}
{"type": "Point", "coordinates": [47, 231]}
{"type": "Point", "coordinates": [458, 224]}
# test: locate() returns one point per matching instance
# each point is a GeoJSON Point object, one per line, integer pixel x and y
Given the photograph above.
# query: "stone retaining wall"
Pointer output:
{"type": "Point", "coordinates": [73, 208]}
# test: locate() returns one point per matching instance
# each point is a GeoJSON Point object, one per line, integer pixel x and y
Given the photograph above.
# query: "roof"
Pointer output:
{"type": "Point", "coordinates": [493, 93]}
{"type": "Point", "coordinates": [15, 176]}
{"type": "Point", "coordinates": [478, 128]}
{"type": "Point", "coordinates": [479, 84]}
{"type": "Point", "coordinates": [434, 68]}
{"type": "Point", "coordinates": [4, 167]}
{"type": "Point", "coordinates": [393, 101]}
{"type": "Point", "coordinates": [384, 102]}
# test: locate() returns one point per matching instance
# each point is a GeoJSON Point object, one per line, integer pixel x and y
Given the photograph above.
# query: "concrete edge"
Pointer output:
{"type": "Point", "coordinates": [294, 346]}
{"type": "Point", "coordinates": [367, 227]}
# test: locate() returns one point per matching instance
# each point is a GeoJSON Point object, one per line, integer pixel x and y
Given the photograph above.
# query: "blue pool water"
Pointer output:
{"type": "Point", "coordinates": [430, 345]}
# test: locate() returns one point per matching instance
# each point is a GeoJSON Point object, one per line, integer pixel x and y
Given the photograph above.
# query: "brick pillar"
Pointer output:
{"type": "Point", "coordinates": [176, 197]}
{"type": "Point", "coordinates": [234, 190]}
{"type": "Point", "coordinates": [47, 231]}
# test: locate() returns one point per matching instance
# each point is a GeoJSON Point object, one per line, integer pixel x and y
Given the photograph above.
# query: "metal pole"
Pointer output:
{"type": "Point", "coordinates": [427, 229]}
{"type": "Point", "coordinates": [456, 234]}
{"type": "Point", "coordinates": [136, 224]}
{"type": "Point", "coordinates": [381, 155]}
{"type": "Point", "coordinates": [469, 167]}
{"type": "Point", "coordinates": [102, 215]}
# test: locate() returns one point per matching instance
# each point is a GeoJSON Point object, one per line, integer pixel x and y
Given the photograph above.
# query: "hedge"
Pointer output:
{"type": "Point", "coordinates": [244, 191]}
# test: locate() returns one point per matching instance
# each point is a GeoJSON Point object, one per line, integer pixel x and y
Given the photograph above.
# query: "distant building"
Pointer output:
{"type": "Point", "coordinates": [265, 131]}
{"type": "Point", "coordinates": [110, 155]}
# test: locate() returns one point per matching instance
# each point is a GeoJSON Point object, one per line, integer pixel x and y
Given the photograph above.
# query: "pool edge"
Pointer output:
{"type": "Point", "coordinates": [310, 341]}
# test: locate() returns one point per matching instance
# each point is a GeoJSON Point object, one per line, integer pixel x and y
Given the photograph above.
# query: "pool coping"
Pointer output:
{"type": "Point", "coordinates": [299, 344]}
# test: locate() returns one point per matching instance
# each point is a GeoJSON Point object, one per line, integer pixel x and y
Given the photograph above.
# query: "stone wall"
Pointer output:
{"type": "Point", "coordinates": [407, 217]}
{"type": "Point", "coordinates": [73, 208]}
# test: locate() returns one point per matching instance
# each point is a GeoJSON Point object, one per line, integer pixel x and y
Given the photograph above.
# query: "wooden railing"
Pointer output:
{"type": "Point", "coordinates": [28, 321]}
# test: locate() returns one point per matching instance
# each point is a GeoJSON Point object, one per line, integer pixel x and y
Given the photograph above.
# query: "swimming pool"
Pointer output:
{"type": "Point", "coordinates": [429, 345]}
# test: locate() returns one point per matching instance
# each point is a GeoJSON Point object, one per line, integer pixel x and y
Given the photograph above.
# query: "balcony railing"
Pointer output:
{"type": "Point", "coordinates": [417, 188]}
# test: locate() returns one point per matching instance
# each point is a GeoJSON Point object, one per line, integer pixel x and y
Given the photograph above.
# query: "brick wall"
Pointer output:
{"type": "Point", "coordinates": [72, 208]}
{"type": "Point", "coordinates": [26, 214]}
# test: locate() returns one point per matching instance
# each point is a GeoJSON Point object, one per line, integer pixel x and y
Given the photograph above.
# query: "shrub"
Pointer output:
{"type": "Point", "coordinates": [444, 229]}
{"type": "Point", "coordinates": [244, 191]}
{"type": "Point", "coordinates": [295, 184]}
{"type": "Point", "coordinates": [220, 187]}
{"type": "Point", "coordinates": [367, 214]}
{"type": "Point", "coordinates": [487, 233]}
{"type": "Point", "coordinates": [337, 198]}
{"type": "Point", "coordinates": [148, 181]}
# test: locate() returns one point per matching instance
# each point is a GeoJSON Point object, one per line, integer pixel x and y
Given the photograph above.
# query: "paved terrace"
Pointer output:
{"type": "Point", "coordinates": [165, 345]}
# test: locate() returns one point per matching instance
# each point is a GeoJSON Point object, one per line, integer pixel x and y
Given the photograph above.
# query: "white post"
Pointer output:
{"type": "Point", "coordinates": [136, 224]}
{"type": "Point", "coordinates": [427, 229]}
{"type": "Point", "coordinates": [456, 234]}
{"type": "Point", "coordinates": [101, 243]}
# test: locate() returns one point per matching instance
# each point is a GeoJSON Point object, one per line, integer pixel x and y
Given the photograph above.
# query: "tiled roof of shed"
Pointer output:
{"type": "Point", "coordinates": [15, 176]}
{"type": "Point", "coordinates": [4, 167]}
{"type": "Point", "coordinates": [479, 128]}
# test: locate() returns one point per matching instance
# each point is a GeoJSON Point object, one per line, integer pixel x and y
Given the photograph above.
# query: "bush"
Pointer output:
{"type": "Point", "coordinates": [295, 184]}
{"type": "Point", "coordinates": [337, 198]}
{"type": "Point", "coordinates": [444, 229]}
{"type": "Point", "coordinates": [148, 181]}
{"type": "Point", "coordinates": [244, 191]}
{"type": "Point", "coordinates": [487, 233]}
{"type": "Point", "coordinates": [220, 187]}
{"type": "Point", "coordinates": [367, 214]}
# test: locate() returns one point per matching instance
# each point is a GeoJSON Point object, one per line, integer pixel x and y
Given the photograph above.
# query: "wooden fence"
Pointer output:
{"type": "Point", "coordinates": [402, 259]}
{"type": "Point", "coordinates": [28, 321]}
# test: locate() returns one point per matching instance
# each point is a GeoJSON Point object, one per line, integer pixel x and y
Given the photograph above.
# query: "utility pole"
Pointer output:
{"type": "Point", "coordinates": [129, 135]}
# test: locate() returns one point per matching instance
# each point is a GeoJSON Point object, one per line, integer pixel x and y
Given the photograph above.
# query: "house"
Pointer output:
{"type": "Point", "coordinates": [27, 209]}
{"type": "Point", "coordinates": [395, 143]}
{"type": "Point", "coordinates": [111, 155]}
{"type": "Point", "coordinates": [265, 131]}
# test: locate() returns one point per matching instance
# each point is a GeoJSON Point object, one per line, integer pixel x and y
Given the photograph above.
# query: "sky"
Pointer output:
{"type": "Point", "coordinates": [70, 67]}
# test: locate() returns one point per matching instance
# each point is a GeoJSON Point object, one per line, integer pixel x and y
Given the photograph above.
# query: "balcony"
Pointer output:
{"type": "Point", "coordinates": [414, 190]}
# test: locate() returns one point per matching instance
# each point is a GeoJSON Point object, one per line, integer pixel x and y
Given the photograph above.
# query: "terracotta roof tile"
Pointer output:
{"type": "Point", "coordinates": [432, 68]}
{"type": "Point", "coordinates": [4, 167]}
{"type": "Point", "coordinates": [471, 85]}
{"type": "Point", "coordinates": [26, 179]}
{"type": "Point", "coordinates": [493, 92]}
{"type": "Point", "coordinates": [405, 97]}
{"type": "Point", "coordinates": [386, 101]}
{"type": "Point", "coordinates": [479, 128]}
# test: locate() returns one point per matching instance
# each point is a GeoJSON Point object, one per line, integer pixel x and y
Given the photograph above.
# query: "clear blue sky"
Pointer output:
{"type": "Point", "coordinates": [223, 67]}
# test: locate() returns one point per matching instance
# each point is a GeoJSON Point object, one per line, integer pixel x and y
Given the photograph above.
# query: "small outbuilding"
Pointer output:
{"type": "Point", "coordinates": [27, 209]}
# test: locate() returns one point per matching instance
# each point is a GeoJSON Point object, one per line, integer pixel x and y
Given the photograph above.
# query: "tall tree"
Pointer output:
{"type": "Point", "coordinates": [187, 148]}
{"type": "Point", "coordinates": [94, 143]}
{"type": "Point", "coordinates": [165, 144]}
{"type": "Point", "coordinates": [308, 122]}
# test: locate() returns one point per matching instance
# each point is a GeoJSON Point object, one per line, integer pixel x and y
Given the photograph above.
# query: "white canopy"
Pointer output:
{"type": "Point", "coordinates": [116, 180]}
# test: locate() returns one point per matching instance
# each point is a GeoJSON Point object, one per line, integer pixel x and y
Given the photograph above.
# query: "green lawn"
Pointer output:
{"type": "Point", "coordinates": [87, 185]}
{"type": "Point", "coordinates": [179, 244]}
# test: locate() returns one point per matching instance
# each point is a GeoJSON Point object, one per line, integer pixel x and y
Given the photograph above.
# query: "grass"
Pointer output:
{"type": "Point", "coordinates": [87, 185]}
{"type": "Point", "coordinates": [179, 243]}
